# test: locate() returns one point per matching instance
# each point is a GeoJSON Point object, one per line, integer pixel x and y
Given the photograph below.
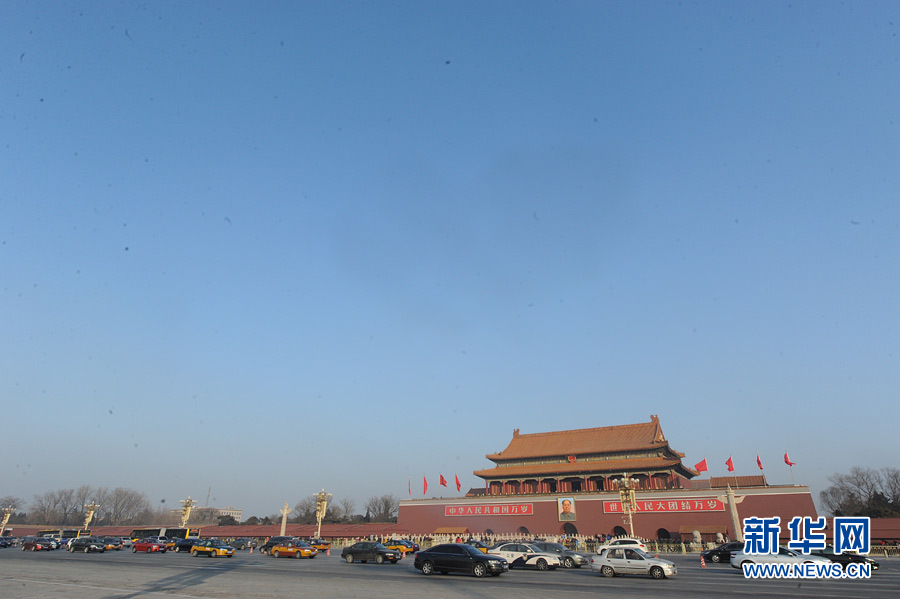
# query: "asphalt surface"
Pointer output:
{"type": "Point", "coordinates": [124, 575]}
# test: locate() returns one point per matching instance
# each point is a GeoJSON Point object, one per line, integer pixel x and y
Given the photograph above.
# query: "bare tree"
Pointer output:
{"type": "Point", "coordinates": [44, 509]}
{"type": "Point", "coordinates": [383, 508]}
{"type": "Point", "coordinates": [304, 511]}
{"type": "Point", "coordinates": [123, 505]}
{"type": "Point", "coordinates": [345, 509]}
{"type": "Point", "coordinates": [863, 492]}
{"type": "Point", "coordinates": [891, 485]}
{"type": "Point", "coordinates": [11, 501]}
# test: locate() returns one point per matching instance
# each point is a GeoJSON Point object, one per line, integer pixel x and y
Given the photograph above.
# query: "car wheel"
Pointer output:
{"type": "Point", "coordinates": [568, 562]}
{"type": "Point", "coordinates": [276, 553]}
{"type": "Point", "coordinates": [542, 564]}
{"type": "Point", "coordinates": [177, 549]}
{"type": "Point", "coordinates": [715, 558]}
{"type": "Point", "coordinates": [349, 558]}
{"type": "Point", "coordinates": [134, 549]}
{"type": "Point", "coordinates": [150, 549]}
{"type": "Point", "coordinates": [87, 549]}
{"type": "Point", "coordinates": [427, 568]}
{"type": "Point", "coordinates": [195, 553]}
{"type": "Point", "coordinates": [379, 559]}
{"type": "Point", "coordinates": [297, 555]}
{"type": "Point", "coordinates": [657, 572]}
{"type": "Point", "coordinates": [479, 570]}
{"type": "Point", "coordinates": [607, 571]}
{"type": "Point", "coordinates": [746, 561]}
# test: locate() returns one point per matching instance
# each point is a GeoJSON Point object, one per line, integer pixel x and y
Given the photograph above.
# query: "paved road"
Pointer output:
{"type": "Point", "coordinates": [123, 575]}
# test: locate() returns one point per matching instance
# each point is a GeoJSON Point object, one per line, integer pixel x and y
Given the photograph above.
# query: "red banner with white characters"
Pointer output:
{"type": "Point", "coordinates": [507, 509]}
{"type": "Point", "coordinates": [706, 504]}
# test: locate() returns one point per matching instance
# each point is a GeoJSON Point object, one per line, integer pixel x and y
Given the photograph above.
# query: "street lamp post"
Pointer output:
{"type": "Point", "coordinates": [321, 505]}
{"type": "Point", "coordinates": [629, 501]}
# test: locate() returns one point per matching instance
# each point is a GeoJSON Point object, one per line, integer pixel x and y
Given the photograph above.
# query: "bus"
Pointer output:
{"type": "Point", "coordinates": [61, 534]}
{"type": "Point", "coordinates": [164, 531]}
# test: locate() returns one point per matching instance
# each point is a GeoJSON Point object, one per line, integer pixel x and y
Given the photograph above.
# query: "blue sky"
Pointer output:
{"type": "Point", "coordinates": [272, 248]}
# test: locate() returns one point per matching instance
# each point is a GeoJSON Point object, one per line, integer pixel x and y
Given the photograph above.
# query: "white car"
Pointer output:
{"type": "Point", "coordinates": [614, 561]}
{"type": "Point", "coordinates": [525, 555]}
{"type": "Point", "coordinates": [784, 556]}
{"type": "Point", "coordinates": [623, 542]}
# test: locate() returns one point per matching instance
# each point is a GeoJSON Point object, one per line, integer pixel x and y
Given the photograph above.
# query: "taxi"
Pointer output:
{"type": "Point", "coordinates": [212, 548]}
{"type": "Point", "coordinates": [320, 544]}
{"type": "Point", "coordinates": [296, 549]}
{"type": "Point", "coordinates": [402, 546]}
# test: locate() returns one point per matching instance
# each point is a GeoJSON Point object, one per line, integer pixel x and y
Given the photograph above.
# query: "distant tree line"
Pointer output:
{"type": "Point", "coordinates": [66, 507]}
{"type": "Point", "coordinates": [864, 492]}
{"type": "Point", "coordinates": [382, 508]}
{"type": "Point", "coordinates": [124, 507]}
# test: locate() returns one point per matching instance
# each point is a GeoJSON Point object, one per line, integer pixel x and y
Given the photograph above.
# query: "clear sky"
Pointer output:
{"type": "Point", "coordinates": [270, 248]}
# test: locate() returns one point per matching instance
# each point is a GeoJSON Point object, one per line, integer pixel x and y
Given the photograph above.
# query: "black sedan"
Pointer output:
{"type": "Point", "coordinates": [459, 557]}
{"type": "Point", "coordinates": [845, 558]}
{"type": "Point", "coordinates": [185, 545]}
{"type": "Point", "coordinates": [722, 553]}
{"type": "Point", "coordinates": [367, 550]}
{"type": "Point", "coordinates": [87, 545]}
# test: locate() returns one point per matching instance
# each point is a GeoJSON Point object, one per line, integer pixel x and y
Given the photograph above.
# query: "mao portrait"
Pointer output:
{"type": "Point", "coordinates": [566, 509]}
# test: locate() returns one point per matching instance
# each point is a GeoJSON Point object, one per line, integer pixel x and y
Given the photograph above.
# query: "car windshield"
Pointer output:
{"type": "Point", "coordinates": [380, 546]}
{"type": "Point", "coordinates": [471, 550]}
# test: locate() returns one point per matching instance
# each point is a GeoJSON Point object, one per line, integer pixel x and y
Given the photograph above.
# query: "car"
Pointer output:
{"type": "Point", "coordinates": [112, 543]}
{"type": "Point", "coordinates": [845, 558]}
{"type": "Point", "coordinates": [459, 557]}
{"type": "Point", "coordinates": [87, 545]}
{"type": "Point", "coordinates": [296, 549]}
{"type": "Point", "coordinates": [369, 550]}
{"type": "Point", "coordinates": [784, 556]}
{"type": "Point", "coordinates": [400, 545]}
{"type": "Point", "coordinates": [6, 542]}
{"type": "Point", "coordinates": [272, 541]}
{"type": "Point", "coordinates": [567, 557]}
{"type": "Point", "coordinates": [525, 555]}
{"type": "Point", "coordinates": [148, 545]}
{"type": "Point", "coordinates": [624, 542]}
{"type": "Point", "coordinates": [478, 545]}
{"type": "Point", "coordinates": [320, 544]}
{"type": "Point", "coordinates": [38, 544]}
{"type": "Point", "coordinates": [243, 543]}
{"type": "Point", "coordinates": [212, 548]}
{"type": "Point", "coordinates": [185, 545]}
{"type": "Point", "coordinates": [722, 553]}
{"type": "Point", "coordinates": [614, 561]}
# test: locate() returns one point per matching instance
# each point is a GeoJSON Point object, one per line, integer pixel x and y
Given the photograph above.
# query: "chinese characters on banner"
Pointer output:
{"type": "Point", "coordinates": [668, 505]}
{"type": "Point", "coordinates": [512, 509]}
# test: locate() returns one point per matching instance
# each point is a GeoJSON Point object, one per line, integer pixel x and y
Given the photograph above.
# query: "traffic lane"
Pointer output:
{"type": "Point", "coordinates": [126, 576]}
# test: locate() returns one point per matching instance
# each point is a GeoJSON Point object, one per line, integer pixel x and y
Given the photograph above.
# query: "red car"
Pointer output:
{"type": "Point", "coordinates": [148, 546]}
{"type": "Point", "coordinates": [38, 544]}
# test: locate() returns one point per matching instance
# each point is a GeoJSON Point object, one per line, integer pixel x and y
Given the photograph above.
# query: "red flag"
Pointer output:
{"type": "Point", "coordinates": [701, 466]}
{"type": "Point", "coordinates": [730, 464]}
{"type": "Point", "coordinates": [758, 461]}
{"type": "Point", "coordinates": [425, 490]}
{"type": "Point", "coordinates": [788, 461]}
{"type": "Point", "coordinates": [443, 480]}
{"type": "Point", "coordinates": [458, 484]}
{"type": "Point", "coordinates": [410, 487]}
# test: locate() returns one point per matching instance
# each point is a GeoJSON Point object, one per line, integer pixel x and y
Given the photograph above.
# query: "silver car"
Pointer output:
{"type": "Point", "coordinates": [613, 561]}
